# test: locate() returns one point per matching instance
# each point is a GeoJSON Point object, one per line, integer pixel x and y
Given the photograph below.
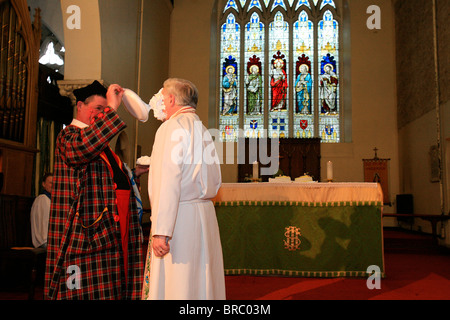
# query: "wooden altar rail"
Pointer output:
{"type": "Point", "coordinates": [432, 218]}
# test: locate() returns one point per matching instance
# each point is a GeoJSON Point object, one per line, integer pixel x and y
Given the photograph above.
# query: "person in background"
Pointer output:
{"type": "Point", "coordinates": [40, 212]}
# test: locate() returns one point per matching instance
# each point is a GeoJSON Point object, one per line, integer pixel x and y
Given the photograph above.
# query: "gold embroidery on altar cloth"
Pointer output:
{"type": "Point", "coordinates": [292, 242]}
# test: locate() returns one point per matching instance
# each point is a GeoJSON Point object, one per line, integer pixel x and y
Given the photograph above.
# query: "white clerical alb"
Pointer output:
{"type": "Point", "coordinates": [39, 220]}
{"type": "Point", "coordinates": [181, 184]}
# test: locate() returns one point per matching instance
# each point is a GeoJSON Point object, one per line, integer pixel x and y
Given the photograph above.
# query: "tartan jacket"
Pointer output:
{"type": "Point", "coordinates": [84, 253]}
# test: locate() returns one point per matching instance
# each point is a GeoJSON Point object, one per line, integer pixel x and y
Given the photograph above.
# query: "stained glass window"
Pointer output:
{"type": "Point", "coordinates": [325, 2]}
{"type": "Point", "coordinates": [231, 4]}
{"type": "Point", "coordinates": [277, 3]}
{"type": "Point", "coordinates": [278, 76]}
{"type": "Point", "coordinates": [254, 4]}
{"type": "Point", "coordinates": [280, 69]}
{"type": "Point", "coordinates": [254, 78]}
{"type": "Point", "coordinates": [328, 81]}
{"type": "Point", "coordinates": [302, 3]}
{"type": "Point", "coordinates": [230, 84]}
{"type": "Point", "coordinates": [303, 35]}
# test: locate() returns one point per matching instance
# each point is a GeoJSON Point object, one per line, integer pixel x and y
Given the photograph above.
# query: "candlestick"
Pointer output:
{"type": "Point", "coordinates": [255, 170]}
{"type": "Point", "coordinates": [329, 171]}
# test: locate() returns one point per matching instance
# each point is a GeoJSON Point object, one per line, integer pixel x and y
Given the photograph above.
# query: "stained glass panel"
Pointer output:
{"type": "Point", "coordinates": [254, 78]}
{"type": "Point", "coordinates": [231, 4]}
{"type": "Point", "coordinates": [254, 4]}
{"type": "Point", "coordinates": [325, 2]}
{"type": "Point", "coordinates": [304, 77]}
{"type": "Point", "coordinates": [260, 93]}
{"type": "Point", "coordinates": [278, 125]}
{"type": "Point", "coordinates": [328, 80]}
{"type": "Point", "coordinates": [277, 3]}
{"type": "Point", "coordinates": [229, 84]}
{"type": "Point", "coordinates": [303, 3]}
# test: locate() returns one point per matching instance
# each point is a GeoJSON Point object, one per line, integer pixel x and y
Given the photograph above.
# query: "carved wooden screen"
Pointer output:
{"type": "Point", "coordinates": [296, 157]}
{"type": "Point", "coordinates": [18, 70]}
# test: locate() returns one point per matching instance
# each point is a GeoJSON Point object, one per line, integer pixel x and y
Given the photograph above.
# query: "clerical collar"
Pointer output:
{"type": "Point", "coordinates": [79, 124]}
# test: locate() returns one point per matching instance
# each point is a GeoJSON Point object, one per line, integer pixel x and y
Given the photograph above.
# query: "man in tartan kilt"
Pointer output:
{"type": "Point", "coordinates": [94, 238]}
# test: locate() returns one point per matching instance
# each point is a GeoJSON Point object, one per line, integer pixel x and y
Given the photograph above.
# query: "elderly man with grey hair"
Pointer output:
{"type": "Point", "coordinates": [184, 260]}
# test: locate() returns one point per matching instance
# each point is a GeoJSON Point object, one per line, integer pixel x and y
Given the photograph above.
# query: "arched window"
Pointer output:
{"type": "Point", "coordinates": [51, 52]}
{"type": "Point", "coordinates": [279, 69]}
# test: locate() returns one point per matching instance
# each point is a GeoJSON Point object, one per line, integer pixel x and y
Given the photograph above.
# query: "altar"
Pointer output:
{"type": "Point", "coordinates": [301, 229]}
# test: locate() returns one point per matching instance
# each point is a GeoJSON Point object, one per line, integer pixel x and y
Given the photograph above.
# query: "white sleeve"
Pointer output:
{"type": "Point", "coordinates": [39, 220]}
{"type": "Point", "coordinates": [211, 178]}
{"type": "Point", "coordinates": [166, 177]}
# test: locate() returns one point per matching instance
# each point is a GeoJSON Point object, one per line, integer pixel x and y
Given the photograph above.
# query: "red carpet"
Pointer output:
{"type": "Point", "coordinates": [415, 270]}
{"type": "Point", "coordinates": [409, 277]}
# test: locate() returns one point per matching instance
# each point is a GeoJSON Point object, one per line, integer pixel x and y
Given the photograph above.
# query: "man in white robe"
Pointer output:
{"type": "Point", "coordinates": [40, 213]}
{"type": "Point", "coordinates": [185, 253]}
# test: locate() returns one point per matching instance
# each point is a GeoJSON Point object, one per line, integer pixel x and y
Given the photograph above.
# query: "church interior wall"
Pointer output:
{"type": "Point", "coordinates": [372, 86]}
{"type": "Point", "coordinates": [119, 42]}
{"type": "Point", "coordinates": [423, 108]}
{"type": "Point", "coordinates": [390, 87]}
{"type": "Point", "coordinates": [135, 44]}
{"type": "Point", "coordinates": [83, 59]}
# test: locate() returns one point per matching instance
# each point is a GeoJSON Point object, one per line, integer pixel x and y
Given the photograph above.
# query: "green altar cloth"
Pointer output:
{"type": "Point", "coordinates": [286, 238]}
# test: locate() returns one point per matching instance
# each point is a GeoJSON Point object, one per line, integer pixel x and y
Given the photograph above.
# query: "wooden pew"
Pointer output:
{"type": "Point", "coordinates": [432, 218]}
{"type": "Point", "coordinates": [16, 249]}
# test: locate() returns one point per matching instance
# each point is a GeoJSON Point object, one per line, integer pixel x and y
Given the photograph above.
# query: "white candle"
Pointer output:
{"type": "Point", "coordinates": [329, 170]}
{"type": "Point", "coordinates": [255, 170]}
